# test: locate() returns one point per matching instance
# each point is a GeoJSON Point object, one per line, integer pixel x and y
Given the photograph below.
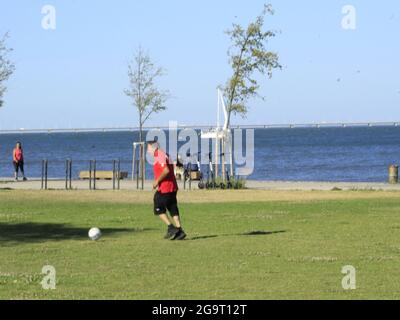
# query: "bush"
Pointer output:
{"type": "Point", "coordinates": [235, 183]}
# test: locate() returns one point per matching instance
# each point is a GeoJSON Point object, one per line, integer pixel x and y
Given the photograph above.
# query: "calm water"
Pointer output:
{"type": "Point", "coordinates": [304, 154]}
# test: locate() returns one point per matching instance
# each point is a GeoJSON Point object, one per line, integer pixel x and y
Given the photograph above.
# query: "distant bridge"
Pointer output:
{"type": "Point", "coordinates": [206, 127]}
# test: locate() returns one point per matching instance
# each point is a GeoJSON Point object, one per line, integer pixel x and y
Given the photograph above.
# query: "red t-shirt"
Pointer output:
{"type": "Point", "coordinates": [18, 155]}
{"type": "Point", "coordinates": [161, 161]}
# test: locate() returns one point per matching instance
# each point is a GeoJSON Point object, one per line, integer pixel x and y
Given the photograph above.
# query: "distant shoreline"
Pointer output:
{"type": "Point", "coordinates": [206, 127]}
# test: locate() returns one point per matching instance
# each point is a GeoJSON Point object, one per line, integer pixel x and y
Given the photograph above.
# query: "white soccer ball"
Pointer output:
{"type": "Point", "coordinates": [94, 234]}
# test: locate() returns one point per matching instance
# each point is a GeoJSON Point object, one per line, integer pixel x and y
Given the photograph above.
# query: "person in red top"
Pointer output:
{"type": "Point", "coordinates": [167, 188]}
{"type": "Point", "coordinates": [18, 161]}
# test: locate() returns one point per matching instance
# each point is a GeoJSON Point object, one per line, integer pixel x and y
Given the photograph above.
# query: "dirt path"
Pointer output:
{"type": "Point", "coordinates": [197, 196]}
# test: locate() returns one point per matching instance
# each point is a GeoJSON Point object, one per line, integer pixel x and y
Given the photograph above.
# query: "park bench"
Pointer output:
{"type": "Point", "coordinates": [102, 175]}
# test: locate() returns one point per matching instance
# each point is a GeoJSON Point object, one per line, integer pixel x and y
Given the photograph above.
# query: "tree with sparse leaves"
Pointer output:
{"type": "Point", "coordinates": [146, 96]}
{"type": "Point", "coordinates": [248, 56]}
{"type": "Point", "coordinates": [7, 68]}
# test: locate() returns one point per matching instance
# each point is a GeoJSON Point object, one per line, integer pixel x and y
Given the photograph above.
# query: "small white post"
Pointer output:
{"type": "Point", "coordinates": [216, 153]}
{"type": "Point", "coordinates": [218, 110]}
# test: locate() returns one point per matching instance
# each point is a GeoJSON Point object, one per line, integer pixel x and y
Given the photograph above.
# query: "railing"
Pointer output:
{"type": "Point", "coordinates": [116, 174]}
{"type": "Point", "coordinates": [92, 174]}
{"type": "Point", "coordinates": [67, 174]}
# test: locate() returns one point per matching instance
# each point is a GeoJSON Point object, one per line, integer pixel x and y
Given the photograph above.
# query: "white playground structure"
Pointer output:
{"type": "Point", "coordinates": [223, 153]}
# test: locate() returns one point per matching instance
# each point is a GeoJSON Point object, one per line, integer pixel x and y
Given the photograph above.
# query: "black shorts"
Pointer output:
{"type": "Point", "coordinates": [164, 202]}
{"type": "Point", "coordinates": [18, 166]}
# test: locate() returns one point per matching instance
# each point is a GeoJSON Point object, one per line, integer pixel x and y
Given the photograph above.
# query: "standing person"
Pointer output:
{"type": "Point", "coordinates": [18, 161]}
{"type": "Point", "coordinates": [167, 189]}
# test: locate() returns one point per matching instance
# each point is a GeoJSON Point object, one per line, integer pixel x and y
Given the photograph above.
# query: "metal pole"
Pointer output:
{"type": "Point", "coordinates": [190, 177]}
{"type": "Point", "coordinates": [119, 173]}
{"type": "Point", "coordinates": [70, 174]}
{"type": "Point", "coordinates": [137, 174]}
{"type": "Point", "coordinates": [213, 181]}
{"type": "Point", "coordinates": [66, 174]}
{"type": "Point", "coordinates": [45, 174]}
{"type": "Point", "coordinates": [42, 175]}
{"type": "Point", "coordinates": [90, 174]}
{"type": "Point", "coordinates": [133, 162]}
{"type": "Point", "coordinates": [94, 174]}
{"type": "Point", "coordinates": [113, 178]}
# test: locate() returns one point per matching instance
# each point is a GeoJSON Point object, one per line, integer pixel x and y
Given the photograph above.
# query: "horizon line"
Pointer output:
{"type": "Point", "coordinates": [207, 127]}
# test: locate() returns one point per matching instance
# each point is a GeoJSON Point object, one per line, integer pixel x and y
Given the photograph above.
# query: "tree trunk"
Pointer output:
{"type": "Point", "coordinates": [141, 133]}
{"type": "Point", "coordinates": [141, 152]}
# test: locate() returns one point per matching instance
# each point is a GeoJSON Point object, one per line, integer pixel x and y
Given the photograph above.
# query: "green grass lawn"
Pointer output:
{"type": "Point", "coordinates": [235, 250]}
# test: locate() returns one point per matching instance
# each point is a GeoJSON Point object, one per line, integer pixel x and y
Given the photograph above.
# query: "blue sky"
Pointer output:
{"type": "Point", "coordinates": [74, 76]}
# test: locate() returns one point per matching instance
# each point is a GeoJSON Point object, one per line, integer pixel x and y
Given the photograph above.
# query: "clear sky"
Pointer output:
{"type": "Point", "coordinates": [74, 76]}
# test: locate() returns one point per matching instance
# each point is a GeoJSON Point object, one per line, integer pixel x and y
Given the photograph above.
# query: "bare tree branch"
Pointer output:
{"type": "Point", "coordinates": [7, 67]}
{"type": "Point", "coordinates": [146, 96]}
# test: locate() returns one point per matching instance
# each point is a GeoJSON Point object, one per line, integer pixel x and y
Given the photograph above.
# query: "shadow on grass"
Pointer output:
{"type": "Point", "coordinates": [41, 232]}
{"type": "Point", "coordinates": [247, 234]}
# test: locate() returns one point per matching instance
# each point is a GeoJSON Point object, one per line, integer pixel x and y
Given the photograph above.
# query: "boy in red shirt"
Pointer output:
{"type": "Point", "coordinates": [167, 189]}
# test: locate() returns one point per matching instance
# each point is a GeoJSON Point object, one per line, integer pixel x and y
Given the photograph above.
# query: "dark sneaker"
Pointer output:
{"type": "Point", "coordinates": [181, 235]}
{"type": "Point", "coordinates": [25, 179]}
{"type": "Point", "coordinates": [172, 232]}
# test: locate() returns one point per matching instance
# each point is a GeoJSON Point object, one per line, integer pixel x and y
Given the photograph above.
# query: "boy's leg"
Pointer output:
{"type": "Point", "coordinates": [173, 209]}
{"type": "Point", "coordinates": [164, 218]}
{"type": "Point", "coordinates": [177, 221]}
{"type": "Point", "coordinates": [161, 211]}
{"type": "Point", "coordinates": [180, 235]}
